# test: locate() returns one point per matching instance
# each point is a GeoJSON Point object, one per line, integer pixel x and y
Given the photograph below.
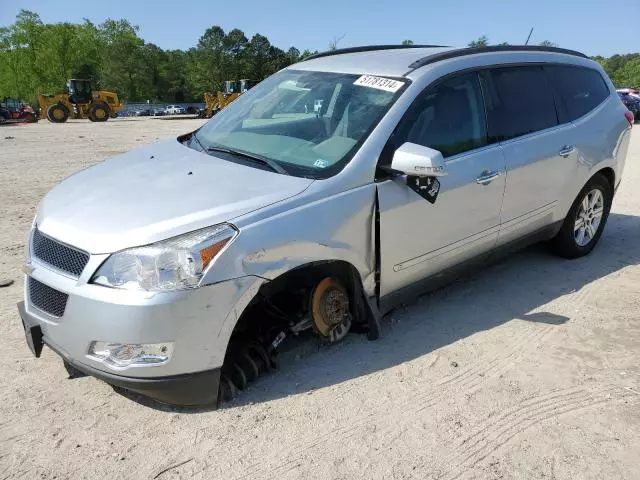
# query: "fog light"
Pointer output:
{"type": "Point", "coordinates": [127, 354]}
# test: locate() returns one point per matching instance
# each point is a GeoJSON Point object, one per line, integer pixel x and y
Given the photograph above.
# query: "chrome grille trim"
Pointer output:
{"type": "Point", "coordinates": [57, 254]}
{"type": "Point", "coordinates": [47, 299]}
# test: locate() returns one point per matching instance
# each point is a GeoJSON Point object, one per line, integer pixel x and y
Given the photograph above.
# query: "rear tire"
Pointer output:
{"type": "Point", "coordinates": [583, 225]}
{"type": "Point", "coordinates": [57, 113]}
{"type": "Point", "coordinates": [99, 113]}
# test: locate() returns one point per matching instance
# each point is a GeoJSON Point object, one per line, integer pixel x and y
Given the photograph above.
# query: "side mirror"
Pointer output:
{"type": "Point", "coordinates": [419, 161]}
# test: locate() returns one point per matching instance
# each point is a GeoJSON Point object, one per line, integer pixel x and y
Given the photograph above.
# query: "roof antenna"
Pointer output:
{"type": "Point", "coordinates": [527, 42]}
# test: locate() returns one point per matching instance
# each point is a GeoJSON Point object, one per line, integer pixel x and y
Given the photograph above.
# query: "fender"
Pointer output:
{"type": "Point", "coordinates": [335, 228]}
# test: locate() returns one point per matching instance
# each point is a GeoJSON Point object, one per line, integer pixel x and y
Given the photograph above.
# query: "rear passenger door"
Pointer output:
{"type": "Point", "coordinates": [540, 153]}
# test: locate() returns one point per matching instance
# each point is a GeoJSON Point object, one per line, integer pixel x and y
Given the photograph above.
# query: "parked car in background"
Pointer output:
{"type": "Point", "coordinates": [632, 102]}
{"type": "Point", "coordinates": [174, 110]}
{"type": "Point", "coordinates": [190, 261]}
{"type": "Point", "coordinates": [143, 113]}
{"type": "Point", "coordinates": [158, 112]}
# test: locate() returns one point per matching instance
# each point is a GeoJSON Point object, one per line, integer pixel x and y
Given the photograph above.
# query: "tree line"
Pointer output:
{"type": "Point", "coordinates": [37, 56]}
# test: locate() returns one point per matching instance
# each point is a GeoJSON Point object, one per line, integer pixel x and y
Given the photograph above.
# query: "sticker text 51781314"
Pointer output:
{"type": "Point", "coordinates": [381, 83]}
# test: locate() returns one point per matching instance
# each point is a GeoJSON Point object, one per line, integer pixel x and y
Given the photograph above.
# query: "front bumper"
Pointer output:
{"type": "Point", "coordinates": [191, 389]}
{"type": "Point", "coordinates": [199, 322]}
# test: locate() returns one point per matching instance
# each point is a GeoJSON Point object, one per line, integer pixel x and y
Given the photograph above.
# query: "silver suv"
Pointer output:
{"type": "Point", "coordinates": [316, 202]}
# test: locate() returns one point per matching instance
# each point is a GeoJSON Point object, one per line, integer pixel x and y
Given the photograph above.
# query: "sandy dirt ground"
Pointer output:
{"type": "Point", "coordinates": [527, 369]}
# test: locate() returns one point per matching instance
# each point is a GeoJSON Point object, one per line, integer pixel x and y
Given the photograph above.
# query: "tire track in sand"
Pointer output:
{"type": "Point", "coordinates": [493, 433]}
{"type": "Point", "coordinates": [467, 380]}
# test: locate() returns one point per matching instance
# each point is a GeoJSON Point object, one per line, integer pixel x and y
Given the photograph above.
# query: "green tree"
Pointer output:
{"type": "Point", "coordinates": [153, 70]}
{"type": "Point", "coordinates": [306, 54]}
{"type": "Point", "coordinates": [293, 54]}
{"type": "Point", "coordinates": [407, 42]}
{"type": "Point", "coordinates": [259, 50]}
{"type": "Point", "coordinates": [176, 80]}
{"type": "Point", "coordinates": [90, 49]}
{"type": "Point", "coordinates": [210, 65]}
{"type": "Point", "coordinates": [235, 46]}
{"type": "Point", "coordinates": [21, 70]}
{"type": "Point", "coordinates": [482, 41]}
{"type": "Point", "coordinates": [622, 69]}
{"type": "Point", "coordinates": [628, 75]}
{"type": "Point", "coordinates": [122, 59]}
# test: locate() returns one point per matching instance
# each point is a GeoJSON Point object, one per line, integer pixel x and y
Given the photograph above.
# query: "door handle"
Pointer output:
{"type": "Point", "coordinates": [566, 151]}
{"type": "Point", "coordinates": [487, 177]}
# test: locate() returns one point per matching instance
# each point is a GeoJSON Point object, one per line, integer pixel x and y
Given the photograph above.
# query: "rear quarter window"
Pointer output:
{"type": "Point", "coordinates": [580, 89]}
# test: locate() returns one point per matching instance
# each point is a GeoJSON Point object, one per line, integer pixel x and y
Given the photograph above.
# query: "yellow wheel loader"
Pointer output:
{"type": "Point", "coordinates": [232, 90]}
{"type": "Point", "coordinates": [79, 101]}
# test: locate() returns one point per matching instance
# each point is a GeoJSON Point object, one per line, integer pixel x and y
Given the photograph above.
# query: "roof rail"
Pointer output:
{"type": "Point", "coordinates": [367, 48]}
{"type": "Point", "coordinates": [461, 52]}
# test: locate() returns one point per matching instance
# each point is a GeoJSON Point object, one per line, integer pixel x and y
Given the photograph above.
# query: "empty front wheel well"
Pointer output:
{"type": "Point", "coordinates": [285, 299]}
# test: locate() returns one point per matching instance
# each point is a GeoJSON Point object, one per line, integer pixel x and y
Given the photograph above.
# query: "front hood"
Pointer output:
{"type": "Point", "coordinates": [154, 193]}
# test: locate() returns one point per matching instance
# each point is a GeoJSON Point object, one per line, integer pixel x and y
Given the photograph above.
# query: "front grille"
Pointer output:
{"type": "Point", "coordinates": [58, 254]}
{"type": "Point", "coordinates": [47, 299]}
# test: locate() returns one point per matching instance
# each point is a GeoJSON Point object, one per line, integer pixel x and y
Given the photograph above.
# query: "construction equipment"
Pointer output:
{"type": "Point", "coordinates": [79, 101]}
{"type": "Point", "coordinates": [232, 90]}
{"type": "Point", "coordinates": [14, 110]}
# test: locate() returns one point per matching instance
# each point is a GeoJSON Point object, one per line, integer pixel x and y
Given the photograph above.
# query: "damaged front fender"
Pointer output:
{"type": "Point", "coordinates": [337, 227]}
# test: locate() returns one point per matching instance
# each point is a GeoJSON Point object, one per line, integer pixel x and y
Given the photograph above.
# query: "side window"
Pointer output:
{"type": "Point", "coordinates": [519, 101]}
{"type": "Point", "coordinates": [448, 117]}
{"type": "Point", "coordinates": [581, 89]}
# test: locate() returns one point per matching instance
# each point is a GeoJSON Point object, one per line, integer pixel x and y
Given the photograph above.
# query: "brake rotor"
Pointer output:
{"type": "Point", "coordinates": [330, 312]}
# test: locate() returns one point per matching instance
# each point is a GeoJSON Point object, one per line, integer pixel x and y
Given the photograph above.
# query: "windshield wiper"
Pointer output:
{"type": "Point", "coordinates": [275, 166]}
{"type": "Point", "coordinates": [195, 137]}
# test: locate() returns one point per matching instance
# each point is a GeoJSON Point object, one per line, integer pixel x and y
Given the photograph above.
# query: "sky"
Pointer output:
{"type": "Point", "coordinates": [593, 27]}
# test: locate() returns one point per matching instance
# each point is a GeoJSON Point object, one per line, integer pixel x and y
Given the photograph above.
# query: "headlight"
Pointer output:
{"type": "Point", "coordinates": [174, 264]}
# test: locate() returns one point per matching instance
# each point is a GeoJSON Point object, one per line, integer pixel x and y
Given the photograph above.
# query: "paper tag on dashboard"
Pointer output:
{"type": "Point", "coordinates": [381, 83]}
{"type": "Point", "coordinates": [320, 163]}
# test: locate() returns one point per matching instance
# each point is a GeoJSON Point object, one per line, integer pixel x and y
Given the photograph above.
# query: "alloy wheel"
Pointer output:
{"type": "Point", "coordinates": [588, 217]}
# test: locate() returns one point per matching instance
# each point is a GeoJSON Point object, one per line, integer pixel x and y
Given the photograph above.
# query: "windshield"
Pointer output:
{"type": "Point", "coordinates": [310, 123]}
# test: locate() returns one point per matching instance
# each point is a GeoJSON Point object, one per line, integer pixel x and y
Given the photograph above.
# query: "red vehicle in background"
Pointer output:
{"type": "Point", "coordinates": [14, 110]}
{"type": "Point", "coordinates": [631, 99]}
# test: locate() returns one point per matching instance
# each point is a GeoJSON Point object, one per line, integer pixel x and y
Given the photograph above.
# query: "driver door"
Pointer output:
{"type": "Point", "coordinates": [419, 239]}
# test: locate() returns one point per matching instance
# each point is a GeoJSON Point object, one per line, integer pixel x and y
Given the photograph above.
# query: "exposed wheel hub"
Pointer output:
{"type": "Point", "coordinates": [335, 306]}
{"type": "Point", "coordinates": [330, 310]}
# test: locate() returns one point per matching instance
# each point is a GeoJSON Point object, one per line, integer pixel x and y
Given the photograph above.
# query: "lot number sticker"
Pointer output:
{"type": "Point", "coordinates": [381, 83]}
